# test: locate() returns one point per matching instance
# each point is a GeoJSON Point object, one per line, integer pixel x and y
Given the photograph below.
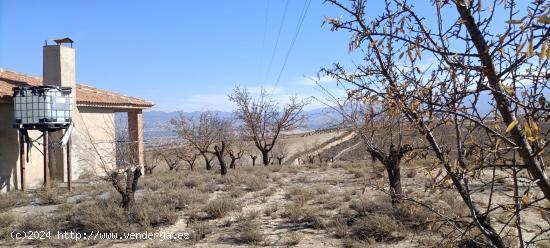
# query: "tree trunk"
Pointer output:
{"type": "Point", "coordinates": [532, 162]}
{"type": "Point", "coordinates": [253, 160]}
{"type": "Point", "coordinates": [233, 162]}
{"type": "Point", "coordinates": [265, 157]}
{"type": "Point", "coordinates": [207, 161]}
{"type": "Point", "coordinates": [132, 178]}
{"type": "Point", "coordinates": [394, 176]}
{"type": "Point", "coordinates": [218, 151]}
{"type": "Point", "coordinates": [280, 160]}
{"type": "Point", "coordinates": [223, 168]}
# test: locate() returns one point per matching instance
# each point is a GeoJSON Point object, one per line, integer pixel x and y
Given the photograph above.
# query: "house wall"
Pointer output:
{"type": "Point", "coordinates": [9, 154]}
{"type": "Point", "coordinates": [93, 141]}
{"type": "Point", "coordinates": [93, 147]}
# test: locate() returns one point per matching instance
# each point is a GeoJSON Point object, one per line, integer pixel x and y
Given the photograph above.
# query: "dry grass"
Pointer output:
{"type": "Point", "coordinates": [252, 182]}
{"type": "Point", "coordinates": [321, 189]}
{"type": "Point", "coordinates": [200, 230]}
{"type": "Point", "coordinates": [218, 208]}
{"type": "Point", "coordinates": [308, 216]}
{"type": "Point", "coordinates": [51, 196]}
{"type": "Point", "coordinates": [357, 219]}
{"type": "Point", "coordinates": [249, 232]}
{"type": "Point", "coordinates": [292, 239]}
{"type": "Point", "coordinates": [378, 227]}
{"type": "Point", "coordinates": [12, 199]}
{"type": "Point", "coordinates": [7, 220]}
{"type": "Point", "coordinates": [38, 222]}
{"type": "Point", "coordinates": [270, 210]}
{"type": "Point", "coordinates": [300, 196]}
{"type": "Point", "coordinates": [183, 198]}
{"type": "Point", "coordinates": [339, 227]}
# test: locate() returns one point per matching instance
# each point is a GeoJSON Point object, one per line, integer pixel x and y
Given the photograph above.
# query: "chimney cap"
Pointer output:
{"type": "Point", "coordinates": [63, 41]}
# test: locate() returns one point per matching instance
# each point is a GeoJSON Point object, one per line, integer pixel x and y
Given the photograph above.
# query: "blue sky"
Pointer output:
{"type": "Point", "coordinates": [188, 55]}
{"type": "Point", "coordinates": [182, 55]}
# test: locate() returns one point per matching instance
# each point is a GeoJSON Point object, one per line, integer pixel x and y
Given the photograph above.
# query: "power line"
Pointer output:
{"type": "Point", "coordinates": [303, 14]}
{"type": "Point", "coordinates": [277, 40]}
{"type": "Point", "coordinates": [261, 56]}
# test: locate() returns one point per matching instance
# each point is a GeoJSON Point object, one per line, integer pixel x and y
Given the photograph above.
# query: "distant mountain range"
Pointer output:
{"type": "Point", "coordinates": [315, 119]}
{"type": "Point", "coordinates": [156, 123]}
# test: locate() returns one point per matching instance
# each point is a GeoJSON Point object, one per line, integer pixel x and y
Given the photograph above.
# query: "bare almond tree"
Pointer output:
{"type": "Point", "coordinates": [152, 160]}
{"type": "Point", "coordinates": [223, 133]}
{"type": "Point", "coordinates": [264, 119]}
{"type": "Point", "coordinates": [253, 157]}
{"type": "Point", "coordinates": [171, 157]}
{"type": "Point", "coordinates": [115, 157]}
{"type": "Point", "coordinates": [237, 148]}
{"type": "Point", "coordinates": [199, 133]}
{"type": "Point", "coordinates": [280, 152]}
{"type": "Point", "coordinates": [382, 129]}
{"type": "Point", "coordinates": [475, 75]}
{"type": "Point", "coordinates": [189, 155]}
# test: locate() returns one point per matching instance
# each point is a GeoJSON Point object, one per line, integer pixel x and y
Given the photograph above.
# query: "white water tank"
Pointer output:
{"type": "Point", "coordinates": [42, 105]}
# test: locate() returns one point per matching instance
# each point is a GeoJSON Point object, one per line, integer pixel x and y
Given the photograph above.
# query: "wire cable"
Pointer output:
{"type": "Point", "coordinates": [277, 39]}
{"type": "Point", "coordinates": [303, 14]}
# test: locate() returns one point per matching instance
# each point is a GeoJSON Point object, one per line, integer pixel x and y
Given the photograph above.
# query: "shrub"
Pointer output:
{"type": "Point", "coordinates": [209, 187]}
{"type": "Point", "coordinates": [269, 210]}
{"type": "Point", "coordinates": [378, 227]}
{"type": "Point", "coordinates": [292, 239]}
{"type": "Point", "coordinates": [38, 222]}
{"type": "Point", "coordinates": [6, 222]}
{"type": "Point", "coordinates": [200, 230]}
{"type": "Point", "coordinates": [49, 197]}
{"type": "Point", "coordinates": [11, 199]}
{"type": "Point", "coordinates": [339, 227]}
{"type": "Point", "coordinates": [220, 207]}
{"type": "Point", "coordinates": [148, 214]}
{"type": "Point", "coordinates": [249, 232]}
{"type": "Point", "coordinates": [321, 189]}
{"type": "Point", "coordinates": [352, 243]}
{"type": "Point", "coordinates": [99, 216]}
{"type": "Point", "coordinates": [191, 182]}
{"type": "Point", "coordinates": [411, 173]}
{"type": "Point", "coordinates": [330, 202]}
{"type": "Point", "coordinates": [268, 192]}
{"type": "Point", "coordinates": [300, 196]}
{"type": "Point", "coordinates": [248, 216]}
{"type": "Point", "coordinates": [293, 212]}
{"type": "Point", "coordinates": [153, 182]}
{"type": "Point", "coordinates": [411, 215]}
{"type": "Point", "coordinates": [299, 214]}
{"type": "Point", "coordinates": [253, 182]}
{"type": "Point", "coordinates": [181, 198]}
{"type": "Point", "coordinates": [236, 193]}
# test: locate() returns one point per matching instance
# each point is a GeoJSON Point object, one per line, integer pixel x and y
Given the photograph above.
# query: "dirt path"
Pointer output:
{"type": "Point", "coordinates": [347, 150]}
{"type": "Point", "coordinates": [323, 147]}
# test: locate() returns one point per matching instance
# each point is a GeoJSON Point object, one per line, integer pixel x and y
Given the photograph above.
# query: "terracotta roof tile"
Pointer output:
{"type": "Point", "coordinates": [85, 95]}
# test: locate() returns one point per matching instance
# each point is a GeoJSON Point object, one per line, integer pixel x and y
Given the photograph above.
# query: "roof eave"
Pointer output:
{"type": "Point", "coordinates": [8, 100]}
{"type": "Point", "coordinates": [113, 106]}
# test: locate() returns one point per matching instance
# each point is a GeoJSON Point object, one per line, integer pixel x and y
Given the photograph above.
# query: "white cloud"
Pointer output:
{"type": "Point", "coordinates": [302, 88]}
